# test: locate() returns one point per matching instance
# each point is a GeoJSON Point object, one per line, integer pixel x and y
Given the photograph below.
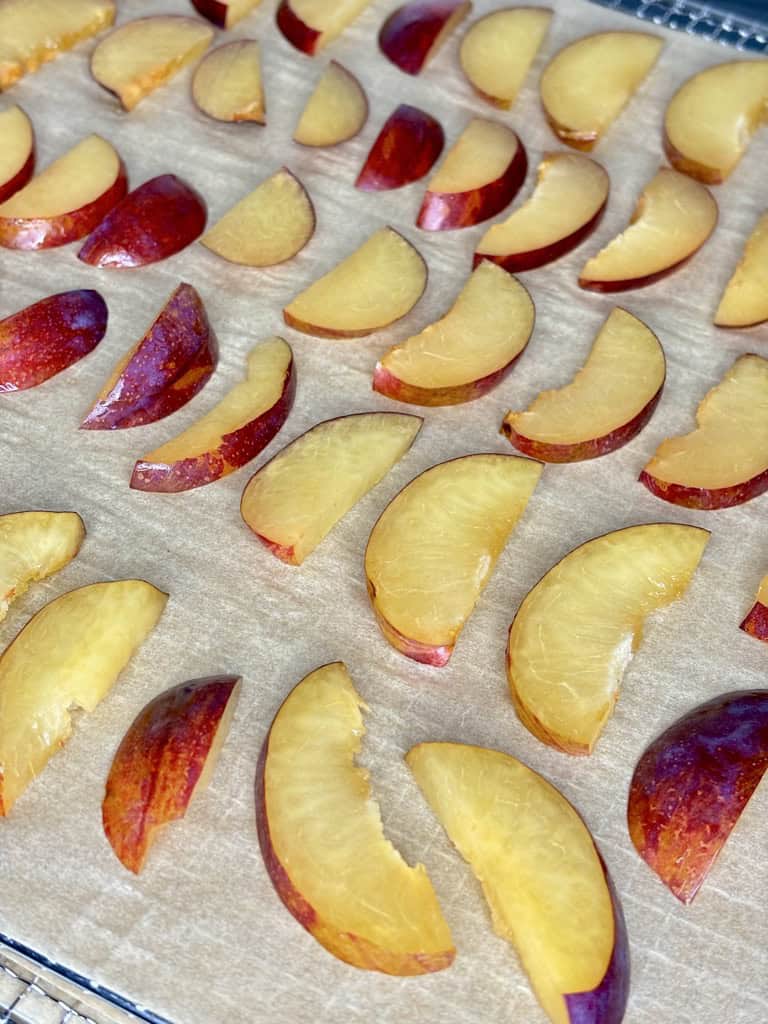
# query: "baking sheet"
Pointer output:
{"type": "Point", "coordinates": [200, 936]}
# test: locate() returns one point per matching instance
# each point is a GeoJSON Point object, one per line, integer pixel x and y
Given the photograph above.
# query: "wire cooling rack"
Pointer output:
{"type": "Point", "coordinates": [741, 24]}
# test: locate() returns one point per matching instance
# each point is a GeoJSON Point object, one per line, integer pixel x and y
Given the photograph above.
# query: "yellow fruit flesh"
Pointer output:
{"type": "Point", "coordinates": [34, 545]}
{"type": "Point", "coordinates": [15, 142]}
{"type": "Point", "coordinates": [498, 50]}
{"type": "Point", "coordinates": [329, 17]}
{"type": "Point", "coordinates": [227, 84]}
{"type": "Point", "coordinates": [482, 154]}
{"type": "Point", "coordinates": [237, 10]}
{"type": "Point", "coordinates": [336, 110]}
{"type": "Point", "coordinates": [745, 299]}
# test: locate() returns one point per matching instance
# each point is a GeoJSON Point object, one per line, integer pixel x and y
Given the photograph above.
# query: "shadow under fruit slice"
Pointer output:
{"type": "Point", "coordinates": [406, 148]}
{"type": "Point", "coordinates": [322, 839]}
{"type": "Point", "coordinates": [33, 546]}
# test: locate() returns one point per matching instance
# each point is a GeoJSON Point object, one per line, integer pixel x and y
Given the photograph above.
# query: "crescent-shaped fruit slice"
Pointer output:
{"type": "Point", "coordinates": [406, 148]}
{"type": "Point", "coordinates": [435, 547]}
{"type": "Point", "coordinates": [17, 151]}
{"type": "Point", "coordinates": [372, 288]}
{"type": "Point", "coordinates": [480, 175]}
{"type": "Point", "coordinates": [296, 499]}
{"type": "Point", "coordinates": [68, 656]}
{"type": "Point", "coordinates": [65, 201]}
{"type": "Point", "coordinates": [466, 353]}
{"type": "Point", "coordinates": [141, 55]}
{"type": "Point", "coordinates": [711, 118]}
{"type": "Point", "coordinates": [692, 783]}
{"type": "Point", "coordinates": [566, 206]}
{"type": "Point", "coordinates": [673, 218]}
{"type": "Point", "coordinates": [576, 631]}
{"type": "Point", "coordinates": [588, 83]}
{"type": "Point", "coordinates": [323, 842]}
{"type": "Point", "coordinates": [497, 52]}
{"type": "Point", "coordinates": [33, 546]}
{"type": "Point", "coordinates": [547, 887]}
{"type": "Point", "coordinates": [310, 25]}
{"type": "Point", "coordinates": [756, 622]}
{"type": "Point", "coordinates": [413, 33]}
{"type": "Point", "coordinates": [225, 13]}
{"type": "Point", "coordinates": [227, 83]}
{"type": "Point", "coordinates": [724, 461]}
{"type": "Point", "coordinates": [745, 299]}
{"type": "Point", "coordinates": [232, 433]}
{"type": "Point", "coordinates": [335, 112]}
{"type": "Point", "coordinates": [164, 760]}
{"type": "Point", "coordinates": [607, 403]}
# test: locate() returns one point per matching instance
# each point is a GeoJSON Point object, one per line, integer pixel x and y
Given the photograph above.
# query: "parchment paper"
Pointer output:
{"type": "Point", "coordinates": [200, 936]}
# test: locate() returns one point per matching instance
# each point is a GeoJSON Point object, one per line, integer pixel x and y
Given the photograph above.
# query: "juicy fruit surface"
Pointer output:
{"type": "Point", "coordinates": [227, 83]}
{"type": "Point", "coordinates": [33, 545]}
{"type": "Point", "coordinates": [298, 497]}
{"type": "Point", "coordinates": [482, 154]}
{"type": "Point", "coordinates": [745, 299]}
{"type": "Point", "coordinates": [68, 656]}
{"type": "Point", "coordinates": [498, 50]}
{"type": "Point", "coordinates": [336, 110]}
{"type": "Point", "coordinates": [576, 631]}
{"type": "Point", "coordinates": [323, 842]}
{"type": "Point", "coordinates": [16, 150]}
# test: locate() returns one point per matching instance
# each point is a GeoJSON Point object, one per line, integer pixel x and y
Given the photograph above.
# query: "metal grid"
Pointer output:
{"type": "Point", "coordinates": [697, 19]}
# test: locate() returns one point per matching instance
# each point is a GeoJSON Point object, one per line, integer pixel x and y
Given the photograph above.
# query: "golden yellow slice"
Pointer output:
{"type": "Point", "coordinates": [34, 545]}
{"type": "Point", "coordinates": [745, 299]}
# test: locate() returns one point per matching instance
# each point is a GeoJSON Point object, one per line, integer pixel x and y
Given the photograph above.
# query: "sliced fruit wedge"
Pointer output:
{"type": "Point", "coordinates": [168, 366]}
{"type": "Point", "coordinates": [227, 83]}
{"type": "Point", "coordinates": [372, 288]}
{"type": "Point", "coordinates": [405, 149]}
{"type": "Point", "coordinates": [480, 175]}
{"type": "Point", "coordinates": [673, 218]}
{"type": "Point", "coordinates": [33, 546]}
{"type": "Point", "coordinates": [164, 761]}
{"type": "Point", "coordinates": [548, 889]}
{"type": "Point", "coordinates": [692, 783]}
{"type": "Point", "coordinates": [466, 353]}
{"type": "Point", "coordinates": [310, 25]}
{"type": "Point", "coordinates": [588, 83]}
{"type": "Point", "coordinates": [232, 433]}
{"type": "Point", "coordinates": [270, 225]}
{"type": "Point", "coordinates": [335, 112]}
{"type": "Point", "coordinates": [65, 201]}
{"type": "Point", "coordinates": [68, 656]}
{"type": "Point", "coordinates": [745, 299]}
{"type": "Point", "coordinates": [724, 461]}
{"type": "Point", "coordinates": [607, 403]}
{"type": "Point", "coordinates": [17, 151]}
{"type": "Point", "coordinates": [323, 842]}
{"type": "Point", "coordinates": [566, 206]}
{"type": "Point", "coordinates": [225, 13]}
{"type": "Point", "coordinates": [498, 50]}
{"type": "Point", "coordinates": [710, 120]}
{"type": "Point", "coordinates": [141, 55]}
{"type": "Point", "coordinates": [756, 622]}
{"type": "Point", "coordinates": [576, 631]}
{"type": "Point", "coordinates": [412, 34]}
{"type": "Point", "coordinates": [295, 500]}
{"type": "Point", "coordinates": [435, 547]}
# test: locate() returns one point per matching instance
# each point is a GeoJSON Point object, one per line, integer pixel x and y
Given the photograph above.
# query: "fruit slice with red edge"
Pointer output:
{"type": "Point", "coordinates": [323, 843]}
{"type": "Point", "coordinates": [480, 175]}
{"type": "Point", "coordinates": [710, 120]}
{"type": "Point", "coordinates": [744, 302]}
{"type": "Point", "coordinates": [141, 55]}
{"type": "Point", "coordinates": [756, 622]}
{"type": "Point", "coordinates": [232, 433]}
{"type": "Point", "coordinates": [435, 547]}
{"type": "Point", "coordinates": [33, 32]}
{"type": "Point", "coordinates": [412, 34]}
{"type": "Point", "coordinates": [225, 13]}
{"type": "Point", "coordinates": [405, 149]}
{"type": "Point", "coordinates": [692, 784]}
{"type": "Point", "coordinates": [165, 759]}
{"type": "Point", "coordinates": [466, 353]}
{"type": "Point", "coordinates": [17, 151]}
{"type": "Point", "coordinates": [607, 403]}
{"type": "Point", "coordinates": [155, 221]}
{"type": "Point", "coordinates": [565, 207]}
{"type": "Point", "coordinates": [372, 288]}
{"type": "Point", "coordinates": [294, 501]}
{"type": "Point", "coordinates": [167, 367]}
{"type": "Point", "coordinates": [310, 25]}
{"type": "Point", "coordinates": [33, 546]}
{"type": "Point", "coordinates": [724, 461]}
{"type": "Point", "coordinates": [65, 201]}
{"type": "Point", "coordinates": [673, 218]}
{"type": "Point", "coordinates": [47, 337]}
{"type": "Point", "coordinates": [576, 631]}
{"type": "Point", "coordinates": [67, 657]}
{"type": "Point", "coordinates": [268, 226]}
{"type": "Point", "coordinates": [588, 83]}
{"type": "Point", "coordinates": [498, 50]}
{"type": "Point", "coordinates": [227, 83]}
{"type": "Point", "coordinates": [335, 112]}
{"type": "Point", "coordinates": [547, 887]}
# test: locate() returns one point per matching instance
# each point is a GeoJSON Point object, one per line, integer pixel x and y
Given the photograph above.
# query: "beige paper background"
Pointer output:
{"type": "Point", "coordinates": [201, 936]}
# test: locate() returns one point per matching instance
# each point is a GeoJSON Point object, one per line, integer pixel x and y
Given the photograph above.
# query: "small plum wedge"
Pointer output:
{"type": "Point", "coordinates": [163, 371]}
{"type": "Point", "coordinates": [498, 50]}
{"type": "Point", "coordinates": [232, 433]}
{"type": "Point", "coordinates": [335, 112]}
{"type": "Point", "coordinates": [756, 622]}
{"type": "Point", "coordinates": [310, 25]}
{"type": "Point", "coordinates": [608, 402]}
{"type": "Point", "coordinates": [546, 884]}
{"type": "Point", "coordinates": [49, 336]}
{"type": "Point", "coordinates": [469, 351]}
{"type": "Point", "coordinates": [413, 33]}
{"type": "Point", "coordinates": [227, 84]}
{"type": "Point", "coordinates": [406, 148]}
{"type": "Point", "coordinates": [17, 151]}
{"type": "Point", "coordinates": [68, 656]}
{"type": "Point", "coordinates": [33, 546]}
{"type": "Point", "coordinates": [435, 547]}
{"type": "Point", "coordinates": [692, 784]}
{"type": "Point", "coordinates": [165, 759]}
{"type": "Point", "coordinates": [744, 302]}
{"type": "Point", "coordinates": [576, 631]}
{"type": "Point", "coordinates": [724, 461]}
{"type": "Point", "coordinates": [323, 842]}
{"type": "Point", "coordinates": [295, 500]}
{"type": "Point", "coordinates": [225, 13]}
